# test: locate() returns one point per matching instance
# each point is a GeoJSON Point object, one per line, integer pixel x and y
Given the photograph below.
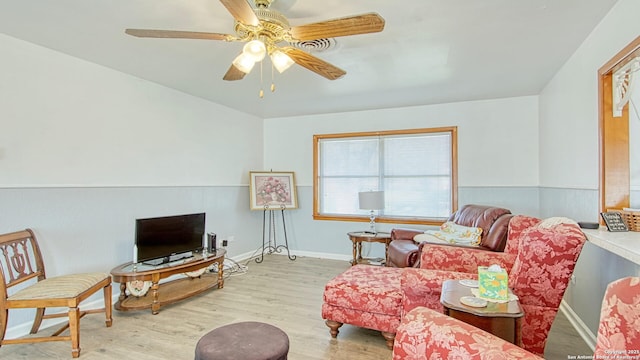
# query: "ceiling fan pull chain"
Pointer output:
{"type": "Point", "coordinates": [273, 84]}
{"type": "Point", "coordinates": [261, 87]}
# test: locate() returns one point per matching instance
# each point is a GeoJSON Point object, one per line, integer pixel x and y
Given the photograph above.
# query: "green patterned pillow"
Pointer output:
{"type": "Point", "coordinates": [457, 234]}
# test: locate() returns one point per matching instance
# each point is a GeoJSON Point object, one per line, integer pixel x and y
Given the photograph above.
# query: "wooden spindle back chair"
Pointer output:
{"type": "Point", "coordinates": [21, 266]}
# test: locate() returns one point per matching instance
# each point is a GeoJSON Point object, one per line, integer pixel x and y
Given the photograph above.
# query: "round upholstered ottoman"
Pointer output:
{"type": "Point", "coordinates": [243, 341]}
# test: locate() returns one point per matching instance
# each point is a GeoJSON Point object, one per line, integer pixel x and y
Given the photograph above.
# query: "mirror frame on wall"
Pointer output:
{"type": "Point", "coordinates": [614, 135]}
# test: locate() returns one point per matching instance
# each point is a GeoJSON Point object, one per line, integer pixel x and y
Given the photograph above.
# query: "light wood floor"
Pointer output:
{"type": "Point", "coordinates": [284, 293]}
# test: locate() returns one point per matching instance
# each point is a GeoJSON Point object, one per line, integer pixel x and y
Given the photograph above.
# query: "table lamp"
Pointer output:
{"type": "Point", "coordinates": [371, 200]}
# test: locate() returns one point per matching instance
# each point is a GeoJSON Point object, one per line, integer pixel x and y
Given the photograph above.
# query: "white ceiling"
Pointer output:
{"type": "Point", "coordinates": [431, 51]}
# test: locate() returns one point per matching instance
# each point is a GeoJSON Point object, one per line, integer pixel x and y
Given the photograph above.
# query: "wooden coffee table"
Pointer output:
{"type": "Point", "coordinates": [500, 319]}
{"type": "Point", "coordinates": [165, 293]}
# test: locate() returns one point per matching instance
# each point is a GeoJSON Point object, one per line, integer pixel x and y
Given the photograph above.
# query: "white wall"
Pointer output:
{"type": "Point", "coordinates": [85, 150]}
{"type": "Point", "coordinates": [569, 103]}
{"type": "Point", "coordinates": [497, 158]}
{"type": "Point", "coordinates": [488, 132]}
{"type": "Point", "coordinates": [569, 152]}
{"type": "Point", "coordinates": [67, 122]}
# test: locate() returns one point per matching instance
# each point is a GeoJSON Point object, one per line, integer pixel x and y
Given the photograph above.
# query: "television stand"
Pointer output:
{"type": "Point", "coordinates": [161, 294]}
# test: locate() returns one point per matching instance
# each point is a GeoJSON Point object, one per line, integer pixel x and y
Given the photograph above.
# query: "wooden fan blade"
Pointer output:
{"type": "Point", "coordinates": [233, 74]}
{"type": "Point", "coordinates": [241, 11]}
{"type": "Point", "coordinates": [352, 25]}
{"type": "Point", "coordinates": [146, 33]}
{"type": "Point", "coordinates": [313, 63]}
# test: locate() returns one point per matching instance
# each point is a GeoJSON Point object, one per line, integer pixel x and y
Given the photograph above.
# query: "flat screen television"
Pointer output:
{"type": "Point", "coordinates": [162, 239]}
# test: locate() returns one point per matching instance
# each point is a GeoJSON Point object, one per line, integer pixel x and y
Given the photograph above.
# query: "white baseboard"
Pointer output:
{"type": "Point", "coordinates": [311, 254]}
{"type": "Point", "coordinates": [579, 325]}
{"type": "Point", "coordinates": [23, 329]}
{"type": "Point", "coordinates": [322, 255]}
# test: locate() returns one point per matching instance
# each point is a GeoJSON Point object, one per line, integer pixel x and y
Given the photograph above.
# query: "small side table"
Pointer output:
{"type": "Point", "coordinates": [358, 237]}
{"type": "Point", "coordinates": [500, 319]}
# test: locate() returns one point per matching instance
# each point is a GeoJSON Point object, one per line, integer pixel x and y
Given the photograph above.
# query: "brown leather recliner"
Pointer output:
{"type": "Point", "coordinates": [494, 221]}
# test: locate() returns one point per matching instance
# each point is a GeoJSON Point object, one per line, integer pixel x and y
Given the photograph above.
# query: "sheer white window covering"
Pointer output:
{"type": "Point", "coordinates": [415, 168]}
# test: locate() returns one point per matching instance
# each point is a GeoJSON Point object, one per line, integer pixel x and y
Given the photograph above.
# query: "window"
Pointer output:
{"type": "Point", "coordinates": [417, 170]}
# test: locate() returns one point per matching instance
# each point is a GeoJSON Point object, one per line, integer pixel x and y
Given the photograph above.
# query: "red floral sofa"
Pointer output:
{"type": "Point", "coordinates": [428, 334]}
{"type": "Point", "coordinates": [540, 257]}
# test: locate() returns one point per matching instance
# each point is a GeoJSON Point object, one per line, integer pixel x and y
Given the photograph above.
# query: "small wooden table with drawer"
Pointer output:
{"type": "Point", "coordinates": [357, 237]}
{"type": "Point", "coordinates": [500, 319]}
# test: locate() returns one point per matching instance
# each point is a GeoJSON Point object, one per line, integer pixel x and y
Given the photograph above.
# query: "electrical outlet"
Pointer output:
{"type": "Point", "coordinates": [225, 243]}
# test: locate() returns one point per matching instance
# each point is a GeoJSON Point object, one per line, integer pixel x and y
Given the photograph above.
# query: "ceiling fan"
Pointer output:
{"type": "Point", "coordinates": [267, 32]}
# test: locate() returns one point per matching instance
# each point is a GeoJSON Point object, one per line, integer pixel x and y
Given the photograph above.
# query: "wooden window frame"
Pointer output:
{"type": "Point", "coordinates": [614, 188]}
{"type": "Point", "coordinates": [453, 130]}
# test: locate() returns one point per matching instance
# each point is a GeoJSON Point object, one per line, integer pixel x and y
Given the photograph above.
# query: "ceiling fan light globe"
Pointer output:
{"type": "Point", "coordinates": [281, 61]}
{"type": "Point", "coordinates": [244, 63]}
{"type": "Point", "coordinates": [255, 49]}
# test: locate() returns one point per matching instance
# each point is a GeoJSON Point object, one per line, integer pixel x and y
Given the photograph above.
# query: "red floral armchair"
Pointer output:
{"type": "Point", "coordinates": [540, 259]}
{"type": "Point", "coordinates": [428, 334]}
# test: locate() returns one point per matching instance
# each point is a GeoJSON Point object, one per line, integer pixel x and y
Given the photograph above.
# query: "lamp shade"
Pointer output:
{"type": "Point", "coordinates": [244, 63]}
{"type": "Point", "coordinates": [281, 61]}
{"type": "Point", "coordinates": [371, 200]}
{"type": "Point", "coordinates": [255, 49]}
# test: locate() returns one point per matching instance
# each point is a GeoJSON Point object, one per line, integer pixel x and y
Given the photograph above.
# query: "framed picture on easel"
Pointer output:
{"type": "Point", "coordinates": [272, 190]}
